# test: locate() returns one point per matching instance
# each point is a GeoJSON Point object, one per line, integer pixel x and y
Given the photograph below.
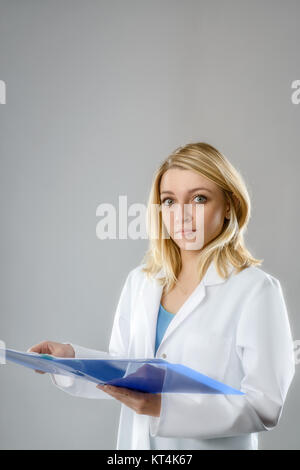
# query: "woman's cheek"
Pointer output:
{"type": "Point", "coordinates": [213, 223]}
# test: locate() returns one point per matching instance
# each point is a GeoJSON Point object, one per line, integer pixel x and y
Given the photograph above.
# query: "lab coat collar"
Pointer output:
{"type": "Point", "coordinates": [150, 300]}
{"type": "Point", "coordinates": [212, 277]}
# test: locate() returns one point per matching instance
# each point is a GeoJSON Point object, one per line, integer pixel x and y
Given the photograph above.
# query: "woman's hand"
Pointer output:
{"type": "Point", "coordinates": [142, 403]}
{"type": "Point", "coordinates": [53, 348]}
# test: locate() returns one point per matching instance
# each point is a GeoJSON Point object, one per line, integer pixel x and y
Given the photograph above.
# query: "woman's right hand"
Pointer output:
{"type": "Point", "coordinates": [52, 348]}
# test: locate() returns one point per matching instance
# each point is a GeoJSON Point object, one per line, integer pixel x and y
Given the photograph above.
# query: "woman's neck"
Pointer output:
{"type": "Point", "coordinates": [189, 260]}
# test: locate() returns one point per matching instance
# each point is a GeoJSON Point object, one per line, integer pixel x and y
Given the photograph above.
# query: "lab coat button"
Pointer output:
{"type": "Point", "coordinates": [164, 355]}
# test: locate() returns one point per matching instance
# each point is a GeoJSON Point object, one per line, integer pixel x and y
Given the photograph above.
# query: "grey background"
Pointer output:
{"type": "Point", "coordinates": [98, 93]}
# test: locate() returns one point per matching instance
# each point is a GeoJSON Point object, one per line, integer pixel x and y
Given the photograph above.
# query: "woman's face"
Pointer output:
{"type": "Point", "coordinates": [190, 201]}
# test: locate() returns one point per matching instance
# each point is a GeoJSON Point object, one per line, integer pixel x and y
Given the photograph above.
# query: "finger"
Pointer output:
{"type": "Point", "coordinates": [105, 388]}
{"type": "Point", "coordinates": [116, 391]}
{"type": "Point", "coordinates": [128, 392]}
{"type": "Point", "coordinates": [122, 391]}
{"type": "Point", "coordinates": [38, 348]}
{"type": "Point", "coordinates": [33, 349]}
{"type": "Point", "coordinates": [122, 397]}
{"type": "Point", "coordinates": [125, 398]}
{"type": "Point", "coordinates": [101, 388]}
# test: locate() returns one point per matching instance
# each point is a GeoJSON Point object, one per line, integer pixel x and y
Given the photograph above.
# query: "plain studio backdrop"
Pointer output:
{"type": "Point", "coordinates": [97, 93]}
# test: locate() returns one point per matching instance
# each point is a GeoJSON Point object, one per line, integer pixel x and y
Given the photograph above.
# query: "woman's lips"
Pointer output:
{"type": "Point", "coordinates": [186, 232]}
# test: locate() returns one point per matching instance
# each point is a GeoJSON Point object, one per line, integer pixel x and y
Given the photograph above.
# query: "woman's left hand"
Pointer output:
{"type": "Point", "coordinates": [142, 403]}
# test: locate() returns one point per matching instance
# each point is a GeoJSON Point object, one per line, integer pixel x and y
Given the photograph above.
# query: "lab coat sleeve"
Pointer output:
{"type": "Point", "coordinates": [264, 344]}
{"type": "Point", "coordinates": [118, 346]}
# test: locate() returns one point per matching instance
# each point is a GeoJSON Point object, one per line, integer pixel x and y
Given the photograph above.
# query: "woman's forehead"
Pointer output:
{"type": "Point", "coordinates": [182, 180]}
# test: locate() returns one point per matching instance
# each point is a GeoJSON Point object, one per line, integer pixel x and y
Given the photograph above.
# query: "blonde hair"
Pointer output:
{"type": "Point", "coordinates": [229, 245]}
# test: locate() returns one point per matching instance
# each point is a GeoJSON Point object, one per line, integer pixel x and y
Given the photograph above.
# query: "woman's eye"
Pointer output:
{"type": "Point", "coordinates": [166, 203]}
{"type": "Point", "coordinates": [166, 199]}
{"type": "Point", "coordinates": [199, 195]}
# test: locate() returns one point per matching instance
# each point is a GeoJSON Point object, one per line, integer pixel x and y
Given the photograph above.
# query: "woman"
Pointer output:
{"type": "Point", "coordinates": [200, 299]}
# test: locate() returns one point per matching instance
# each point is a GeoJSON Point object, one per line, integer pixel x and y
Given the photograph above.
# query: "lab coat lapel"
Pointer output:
{"type": "Point", "coordinates": [151, 297]}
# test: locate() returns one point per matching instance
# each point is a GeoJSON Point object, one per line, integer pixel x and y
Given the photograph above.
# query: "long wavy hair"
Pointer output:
{"type": "Point", "coordinates": [228, 246]}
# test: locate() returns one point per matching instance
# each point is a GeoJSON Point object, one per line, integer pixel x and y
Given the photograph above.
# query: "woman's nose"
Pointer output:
{"type": "Point", "coordinates": [183, 212]}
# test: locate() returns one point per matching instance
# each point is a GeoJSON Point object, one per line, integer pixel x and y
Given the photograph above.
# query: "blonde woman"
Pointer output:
{"type": "Point", "coordinates": [198, 298]}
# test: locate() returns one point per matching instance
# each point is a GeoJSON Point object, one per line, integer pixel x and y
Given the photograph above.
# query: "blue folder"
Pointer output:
{"type": "Point", "coordinates": [144, 375]}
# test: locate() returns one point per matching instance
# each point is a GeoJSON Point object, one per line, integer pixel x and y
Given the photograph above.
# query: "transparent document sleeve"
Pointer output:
{"type": "Point", "coordinates": [78, 386]}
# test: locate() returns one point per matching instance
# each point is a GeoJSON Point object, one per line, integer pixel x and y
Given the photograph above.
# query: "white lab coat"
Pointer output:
{"type": "Point", "coordinates": [236, 331]}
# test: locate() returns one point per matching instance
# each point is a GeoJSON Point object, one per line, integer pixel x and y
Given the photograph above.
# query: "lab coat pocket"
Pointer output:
{"type": "Point", "coordinates": [208, 354]}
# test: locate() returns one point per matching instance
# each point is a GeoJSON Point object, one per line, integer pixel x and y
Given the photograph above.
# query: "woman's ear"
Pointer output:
{"type": "Point", "coordinates": [227, 208]}
{"type": "Point", "coordinates": [236, 203]}
{"type": "Point", "coordinates": [227, 213]}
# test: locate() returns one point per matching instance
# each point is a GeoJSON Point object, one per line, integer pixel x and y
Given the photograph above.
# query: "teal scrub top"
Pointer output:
{"type": "Point", "coordinates": [163, 319]}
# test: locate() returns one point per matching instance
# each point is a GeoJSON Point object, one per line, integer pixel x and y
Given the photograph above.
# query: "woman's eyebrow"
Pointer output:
{"type": "Point", "coordinates": [190, 191]}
